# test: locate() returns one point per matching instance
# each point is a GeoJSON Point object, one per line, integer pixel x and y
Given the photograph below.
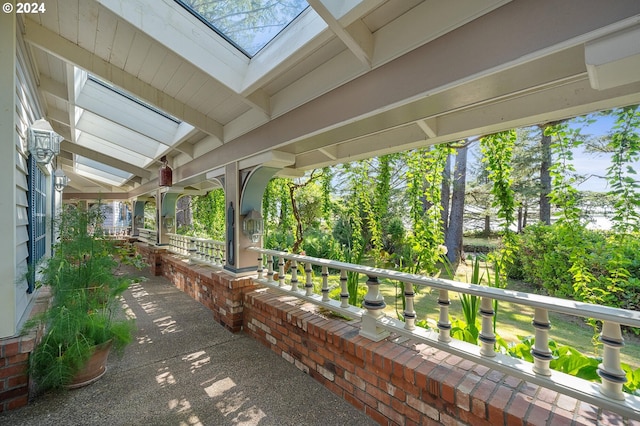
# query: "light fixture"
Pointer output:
{"type": "Point", "coordinates": [252, 225]}
{"type": "Point", "coordinates": [60, 180]}
{"type": "Point", "coordinates": [44, 143]}
{"type": "Point", "coordinates": [165, 174]}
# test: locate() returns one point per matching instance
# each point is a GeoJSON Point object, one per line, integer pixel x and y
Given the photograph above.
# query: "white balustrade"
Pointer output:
{"type": "Point", "coordinates": [376, 325]}
{"type": "Point", "coordinates": [198, 250]}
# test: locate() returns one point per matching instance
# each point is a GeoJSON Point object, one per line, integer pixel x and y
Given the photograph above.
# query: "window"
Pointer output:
{"type": "Point", "coordinates": [37, 218]}
{"type": "Point", "coordinates": [249, 26]}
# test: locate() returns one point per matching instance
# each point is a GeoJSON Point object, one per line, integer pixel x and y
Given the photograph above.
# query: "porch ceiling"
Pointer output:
{"type": "Point", "coordinates": [126, 82]}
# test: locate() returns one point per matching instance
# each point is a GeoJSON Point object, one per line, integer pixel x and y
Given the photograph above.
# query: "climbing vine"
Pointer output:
{"type": "Point", "coordinates": [625, 145]}
{"type": "Point", "coordinates": [497, 151]}
{"type": "Point", "coordinates": [424, 183]}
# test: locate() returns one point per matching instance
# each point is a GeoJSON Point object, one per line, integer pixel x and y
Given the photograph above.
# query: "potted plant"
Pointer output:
{"type": "Point", "coordinates": [85, 316]}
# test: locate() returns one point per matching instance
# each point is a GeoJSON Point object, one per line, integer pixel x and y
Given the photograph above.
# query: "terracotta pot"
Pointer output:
{"type": "Point", "coordinates": [95, 367]}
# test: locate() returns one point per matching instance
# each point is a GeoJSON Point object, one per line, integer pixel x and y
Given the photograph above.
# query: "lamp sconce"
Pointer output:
{"type": "Point", "coordinates": [60, 180]}
{"type": "Point", "coordinates": [165, 174]}
{"type": "Point", "coordinates": [44, 143]}
{"type": "Point", "coordinates": [252, 225]}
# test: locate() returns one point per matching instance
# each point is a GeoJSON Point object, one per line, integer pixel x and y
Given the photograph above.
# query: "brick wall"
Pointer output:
{"type": "Point", "coordinates": [15, 385]}
{"type": "Point", "coordinates": [152, 255]}
{"type": "Point", "coordinates": [219, 291]}
{"type": "Point", "coordinates": [398, 381]}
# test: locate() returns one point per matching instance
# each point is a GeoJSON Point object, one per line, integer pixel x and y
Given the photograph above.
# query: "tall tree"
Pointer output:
{"type": "Point", "coordinates": [454, 233]}
{"type": "Point", "coordinates": [545, 172]}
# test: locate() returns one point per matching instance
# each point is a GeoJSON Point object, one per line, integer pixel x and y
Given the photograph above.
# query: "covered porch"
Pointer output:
{"type": "Point", "coordinates": [136, 89]}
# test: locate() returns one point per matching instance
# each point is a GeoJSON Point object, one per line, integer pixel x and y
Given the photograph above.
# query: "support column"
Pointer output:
{"type": "Point", "coordinates": [8, 140]}
{"type": "Point", "coordinates": [138, 217]}
{"type": "Point", "coordinates": [166, 214]}
{"type": "Point", "coordinates": [243, 193]}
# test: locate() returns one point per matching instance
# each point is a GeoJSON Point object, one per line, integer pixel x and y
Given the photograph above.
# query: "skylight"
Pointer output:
{"type": "Point", "coordinates": [250, 25]}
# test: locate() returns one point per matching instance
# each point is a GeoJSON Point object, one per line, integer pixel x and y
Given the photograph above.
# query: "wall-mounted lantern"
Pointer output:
{"type": "Point", "coordinates": [60, 180]}
{"type": "Point", "coordinates": [165, 174]}
{"type": "Point", "coordinates": [252, 225]}
{"type": "Point", "coordinates": [44, 143]}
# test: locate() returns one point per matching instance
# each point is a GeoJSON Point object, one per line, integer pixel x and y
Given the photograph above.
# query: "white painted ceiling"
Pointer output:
{"type": "Point", "coordinates": [129, 81]}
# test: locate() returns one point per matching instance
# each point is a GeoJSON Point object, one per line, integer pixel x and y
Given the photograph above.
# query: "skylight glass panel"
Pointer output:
{"type": "Point", "coordinates": [248, 25]}
{"type": "Point", "coordinates": [131, 97]}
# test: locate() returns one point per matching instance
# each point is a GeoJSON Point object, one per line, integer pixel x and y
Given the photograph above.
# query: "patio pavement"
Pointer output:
{"type": "Point", "coordinates": [183, 368]}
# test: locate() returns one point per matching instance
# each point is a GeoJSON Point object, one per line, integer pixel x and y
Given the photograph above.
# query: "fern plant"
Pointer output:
{"type": "Point", "coordinates": [85, 288]}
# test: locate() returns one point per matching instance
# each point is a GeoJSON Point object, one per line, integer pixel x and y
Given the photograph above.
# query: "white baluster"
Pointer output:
{"type": "Point", "coordinates": [612, 375]}
{"type": "Point", "coordinates": [294, 276]}
{"type": "Point", "coordinates": [308, 285]}
{"type": "Point", "coordinates": [344, 290]}
{"type": "Point", "coordinates": [487, 337]}
{"type": "Point", "coordinates": [260, 266]}
{"type": "Point", "coordinates": [270, 268]}
{"type": "Point", "coordinates": [281, 271]}
{"type": "Point", "coordinates": [444, 325]}
{"type": "Point", "coordinates": [541, 353]}
{"type": "Point", "coordinates": [374, 305]}
{"type": "Point", "coordinates": [409, 311]}
{"type": "Point", "coordinates": [325, 283]}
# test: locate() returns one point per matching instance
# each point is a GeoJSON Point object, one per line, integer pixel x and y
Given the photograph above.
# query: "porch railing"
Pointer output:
{"type": "Point", "coordinates": [117, 231]}
{"type": "Point", "coordinates": [198, 250]}
{"type": "Point", "coordinates": [148, 235]}
{"type": "Point", "coordinates": [375, 325]}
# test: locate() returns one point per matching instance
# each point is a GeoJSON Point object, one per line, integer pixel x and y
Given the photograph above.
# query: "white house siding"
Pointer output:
{"type": "Point", "coordinates": [27, 110]}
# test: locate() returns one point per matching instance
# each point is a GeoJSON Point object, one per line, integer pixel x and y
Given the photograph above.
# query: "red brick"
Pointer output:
{"type": "Point", "coordinates": [422, 372]}
{"type": "Point", "coordinates": [517, 409]}
{"type": "Point", "coordinates": [11, 349]}
{"type": "Point", "coordinates": [409, 412]}
{"type": "Point", "coordinates": [351, 399]}
{"type": "Point", "coordinates": [566, 402]}
{"type": "Point", "coordinates": [449, 384]}
{"type": "Point", "coordinates": [407, 387]}
{"type": "Point", "coordinates": [27, 345]}
{"type": "Point", "coordinates": [484, 390]}
{"type": "Point", "coordinates": [17, 402]}
{"type": "Point", "coordinates": [17, 381]}
{"type": "Point", "coordinates": [497, 404]}
{"type": "Point", "coordinates": [376, 415]}
{"type": "Point", "coordinates": [410, 367]}
{"type": "Point", "coordinates": [547, 395]}
{"type": "Point", "coordinates": [390, 413]}
{"type": "Point", "coordinates": [539, 414]}
{"type": "Point", "coordinates": [12, 370]}
{"type": "Point", "coordinates": [400, 360]}
{"type": "Point", "coordinates": [365, 397]}
{"type": "Point", "coordinates": [562, 417]}
{"type": "Point", "coordinates": [379, 394]}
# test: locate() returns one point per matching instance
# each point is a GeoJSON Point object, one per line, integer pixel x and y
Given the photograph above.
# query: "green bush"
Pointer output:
{"type": "Point", "coordinates": [544, 258]}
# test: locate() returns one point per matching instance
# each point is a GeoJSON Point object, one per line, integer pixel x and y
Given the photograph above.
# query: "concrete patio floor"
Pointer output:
{"type": "Point", "coordinates": [183, 368]}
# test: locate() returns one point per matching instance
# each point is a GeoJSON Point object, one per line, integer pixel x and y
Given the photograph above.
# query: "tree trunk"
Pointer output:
{"type": "Point", "coordinates": [445, 193]}
{"type": "Point", "coordinates": [183, 212]}
{"type": "Point", "coordinates": [453, 236]}
{"type": "Point", "coordinates": [487, 225]}
{"type": "Point", "coordinates": [520, 218]}
{"type": "Point", "coordinates": [545, 177]}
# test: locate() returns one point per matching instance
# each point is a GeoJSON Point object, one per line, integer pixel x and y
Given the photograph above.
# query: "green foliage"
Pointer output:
{"type": "Point", "coordinates": [569, 360]}
{"type": "Point", "coordinates": [209, 215]}
{"type": "Point", "coordinates": [497, 150]}
{"type": "Point", "coordinates": [625, 146]}
{"type": "Point", "coordinates": [85, 287]}
{"type": "Point", "coordinates": [424, 182]}
{"type": "Point", "coordinates": [611, 264]}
